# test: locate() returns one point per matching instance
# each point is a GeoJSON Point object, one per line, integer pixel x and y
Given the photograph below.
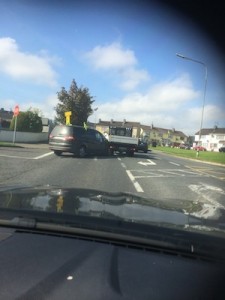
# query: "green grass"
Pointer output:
{"type": "Point", "coordinates": [216, 157]}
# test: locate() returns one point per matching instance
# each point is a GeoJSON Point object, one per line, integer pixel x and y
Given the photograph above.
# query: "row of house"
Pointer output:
{"type": "Point", "coordinates": [153, 135]}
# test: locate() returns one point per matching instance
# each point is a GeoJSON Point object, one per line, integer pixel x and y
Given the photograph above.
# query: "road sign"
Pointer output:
{"type": "Point", "coordinates": [16, 110]}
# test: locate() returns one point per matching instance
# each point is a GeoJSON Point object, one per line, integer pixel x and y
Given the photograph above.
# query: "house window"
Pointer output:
{"type": "Point", "coordinates": [220, 137]}
{"type": "Point", "coordinates": [212, 145]}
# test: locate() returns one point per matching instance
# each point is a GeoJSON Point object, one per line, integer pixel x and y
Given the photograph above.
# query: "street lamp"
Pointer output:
{"type": "Point", "coordinates": [206, 78]}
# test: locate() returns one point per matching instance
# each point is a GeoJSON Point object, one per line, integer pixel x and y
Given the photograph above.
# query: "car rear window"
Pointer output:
{"type": "Point", "coordinates": [62, 131]}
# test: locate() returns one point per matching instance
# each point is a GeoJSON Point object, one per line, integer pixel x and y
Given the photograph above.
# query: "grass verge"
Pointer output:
{"type": "Point", "coordinates": [5, 144]}
{"type": "Point", "coordinates": [216, 157]}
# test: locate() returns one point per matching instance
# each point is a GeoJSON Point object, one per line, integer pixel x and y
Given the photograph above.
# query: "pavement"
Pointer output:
{"type": "Point", "coordinates": [33, 146]}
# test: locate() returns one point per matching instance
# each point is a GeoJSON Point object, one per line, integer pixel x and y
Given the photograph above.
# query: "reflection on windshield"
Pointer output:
{"type": "Point", "coordinates": [118, 206]}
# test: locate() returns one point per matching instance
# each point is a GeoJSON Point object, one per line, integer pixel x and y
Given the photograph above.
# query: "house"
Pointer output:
{"type": "Point", "coordinates": [211, 138]}
{"type": "Point", "coordinates": [167, 137]}
{"type": "Point", "coordinates": [5, 118]}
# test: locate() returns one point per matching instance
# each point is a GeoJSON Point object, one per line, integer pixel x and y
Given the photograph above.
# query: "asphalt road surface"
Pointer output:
{"type": "Point", "coordinates": [153, 175]}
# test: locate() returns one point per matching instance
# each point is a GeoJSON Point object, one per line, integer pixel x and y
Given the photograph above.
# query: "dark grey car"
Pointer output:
{"type": "Point", "coordinates": [142, 146]}
{"type": "Point", "coordinates": [77, 140]}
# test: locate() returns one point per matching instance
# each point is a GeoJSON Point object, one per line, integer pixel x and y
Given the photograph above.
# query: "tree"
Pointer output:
{"type": "Point", "coordinates": [28, 121]}
{"type": "Point", "coordinates": [78, 101]}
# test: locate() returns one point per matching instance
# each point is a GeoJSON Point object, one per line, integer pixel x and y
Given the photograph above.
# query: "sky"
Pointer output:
{"type": "Point", "coordinates": [124, 52]}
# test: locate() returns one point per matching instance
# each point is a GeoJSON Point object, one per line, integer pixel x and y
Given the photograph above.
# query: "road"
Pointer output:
{"type": "Point", "coordinates": [154, 175]}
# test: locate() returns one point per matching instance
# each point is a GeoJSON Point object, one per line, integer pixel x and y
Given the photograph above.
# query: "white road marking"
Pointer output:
{"type": "Point", "coordinates": [21, 157]}
{"type": "Point", "coordinates": [43, 155]}
{"type": "Point", "coordinates": [14, 156]}
{"type": "Point", "coordinates": [173, 163]}
{"type": "Point", "coordinates": [135, 183]}
{"type": "Point", "coordinates": [147, 173]}
{"type": "Point", "coordinates": [123, 165]}
{"type": "Point", "coordinates": [171, 172]}
{"type": "Point", "coordinates": [118, 158]}
{"type": "Point", "coordinates": [147, 163]}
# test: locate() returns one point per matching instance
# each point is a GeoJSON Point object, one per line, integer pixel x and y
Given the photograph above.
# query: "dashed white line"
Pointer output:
{"type": "Point", "coordinates": [173, 163]}
{"type": "Point", "coordinates": [123, 165]}
{"type": "Point", "coordinates": [43, 155]}
{"type": "Point", "coordinates": [14, 156]}
{"type": "Point", "coordinates": [21, 157]}
{"type": "Point", "coordinates": [135, 183]}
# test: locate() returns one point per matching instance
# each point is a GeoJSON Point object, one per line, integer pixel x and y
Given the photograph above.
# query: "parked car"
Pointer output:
{"type": "Point", "coordinates": [222, 149]}
{"type": "Point", "coordinates": [185, 146]}
{"type": "Point", "coordinates": [77, 140]}
{"type": "Point", "coordinates": [199, 148]}
{"type": "Point", "coordinates": [142, 146]}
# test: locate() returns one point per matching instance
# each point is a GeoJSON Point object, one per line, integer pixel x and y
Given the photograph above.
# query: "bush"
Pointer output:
{"type": "Point", "coordinates": [27, 122]}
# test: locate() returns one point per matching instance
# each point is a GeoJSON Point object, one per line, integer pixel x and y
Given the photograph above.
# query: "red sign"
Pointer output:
{"type": "Point", "coordinates": [16, 110]}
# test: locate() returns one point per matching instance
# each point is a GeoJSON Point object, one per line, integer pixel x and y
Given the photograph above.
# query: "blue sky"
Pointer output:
{"type": "Point", "coordinates": [123, 51]}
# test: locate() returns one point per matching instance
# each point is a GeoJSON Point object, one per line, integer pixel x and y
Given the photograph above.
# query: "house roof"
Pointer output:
{"type": "Point", "coordinates": [6, 115]}
{"type": "Point", "coordinates": [138, 124]}
{"type": "Point", "coordinates": [173, 131]}
{"type": "Point", "coordinates": [146, 127]}
{"type": "Point", "coordinates": [207, 131]}
{"type": "Point", "coordinates": [119, 123]}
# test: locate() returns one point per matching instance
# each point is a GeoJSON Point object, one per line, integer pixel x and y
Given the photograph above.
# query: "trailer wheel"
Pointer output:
{"type": "Point", "coordinates": [111, 152]}
{"type": "Point", "coordinates": [130, 153]}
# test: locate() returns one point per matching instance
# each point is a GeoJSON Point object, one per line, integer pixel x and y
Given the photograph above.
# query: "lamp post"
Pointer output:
{"type": "Point", "coordinates": [206, 79]}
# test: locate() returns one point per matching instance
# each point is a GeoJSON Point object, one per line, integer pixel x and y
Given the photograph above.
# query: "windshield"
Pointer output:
{"type": "Point", "coordinates": [130, 71]}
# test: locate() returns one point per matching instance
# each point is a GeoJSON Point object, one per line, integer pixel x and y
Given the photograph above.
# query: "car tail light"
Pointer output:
{"type": "Point", "coordinates": [69, 138]}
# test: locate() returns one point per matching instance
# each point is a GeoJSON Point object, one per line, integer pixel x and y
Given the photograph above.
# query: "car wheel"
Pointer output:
{"type": "Point", "coordinates": [82, 151]}
{"type": "Point", "coordinates": [58, 153]}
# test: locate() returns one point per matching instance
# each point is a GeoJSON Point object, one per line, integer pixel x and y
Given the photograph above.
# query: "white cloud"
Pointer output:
{"type": "Point", "coordinates": [118, 62]}
{"type": "Point", "coordinates": [46, 107]}
{"type": "Point", "coordinates": [213, 115]}
{"type": "Point", "coordinates": [166, 104]}
{"type": "Point", "coordinates": [111, 57]}
{"type": "Point", "coordinates": [25, 66]}
{"type": "Point", "coordinates": [132, 77]}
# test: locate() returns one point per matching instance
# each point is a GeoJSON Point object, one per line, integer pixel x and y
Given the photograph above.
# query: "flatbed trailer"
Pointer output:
{"type": "Point", "coordinates": [121, 140]}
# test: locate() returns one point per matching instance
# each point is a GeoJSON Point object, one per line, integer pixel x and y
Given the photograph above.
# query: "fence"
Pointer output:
{"type": "Point", "coordinates": [23, 137]}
